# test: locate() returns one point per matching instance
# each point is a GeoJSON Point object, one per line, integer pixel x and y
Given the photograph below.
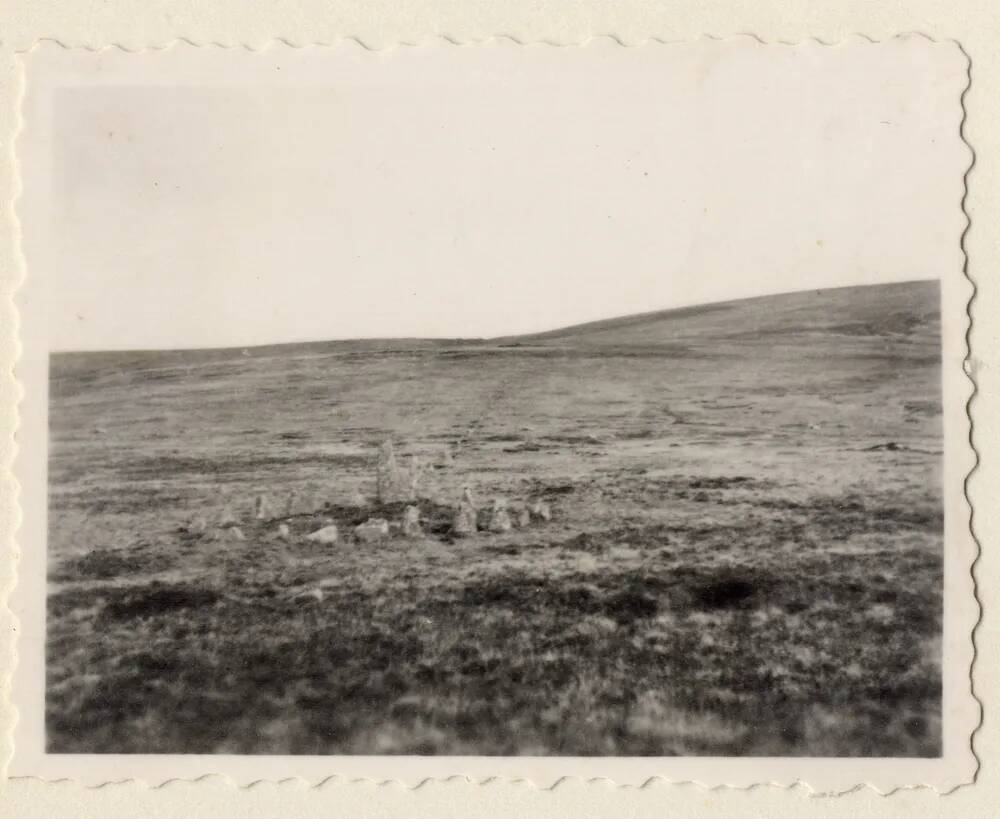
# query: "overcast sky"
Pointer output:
{"type": "Point", "coordinates": [311, 195]}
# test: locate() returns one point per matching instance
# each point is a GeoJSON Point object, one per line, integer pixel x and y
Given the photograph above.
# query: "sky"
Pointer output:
{"type": "Point", "coordinates": [239, 198]}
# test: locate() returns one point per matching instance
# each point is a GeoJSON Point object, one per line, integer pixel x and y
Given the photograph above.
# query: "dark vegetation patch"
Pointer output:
{"type": "Point", "coordinates": [154, 467]}
{"type": "Point", "coordinates": [524, 447]}
{"type": "Point", "coordinates": [102, 564]}
{"type": "Point", "coordinates": [927, 409]}
{"type": "Point", "coordinates": [155, 600]}
{"type": "Point", "coordinates": [543, 489]}
{"type": "Point", "coordinates": [436, 518]}
{"type": "Point", "coordinates": [721, 482]}
{"type": "Point", "coordinates": [852, 513]}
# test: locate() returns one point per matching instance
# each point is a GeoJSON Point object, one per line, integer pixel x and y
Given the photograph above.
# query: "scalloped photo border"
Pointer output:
{"type": "Point", "coordinates": [476, 769]}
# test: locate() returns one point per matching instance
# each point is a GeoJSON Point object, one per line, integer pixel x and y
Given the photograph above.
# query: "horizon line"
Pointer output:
{"type": "Point", "coordinates": [665, 311]}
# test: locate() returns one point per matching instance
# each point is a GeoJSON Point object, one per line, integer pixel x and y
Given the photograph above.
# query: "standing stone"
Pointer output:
{"type": "Point", "coordinates": [411, 522]}
{"type": "Point", "coordinates": [412, 476]}
{"type": "Point", "coordinates": [464, 522]}
{"type": "Point", "coordinates": [524, 518]}
{"type": "Point", "coordinates": [290, 504]}
{"type": "Point", "coordinates": [328, 534]}
{"type": "Point", "coordinates": [227, 517]}
{"type": "Point", "coordinates": [284, 533]}
{"type": "Point", "coordinates": [499, 517]}
{"type": "Point", "coordinates": [317, 499]}
{"type": "Point", "coordinates": [540, 509]}
{"type": "Point", "coordinates": [260, 510]}
{"type": "Point", "coordinates": [388, 476]}
{"type": "Point", "coordinates": [372, 530]}
{"type": "Point", "coordinates": [197, 525]}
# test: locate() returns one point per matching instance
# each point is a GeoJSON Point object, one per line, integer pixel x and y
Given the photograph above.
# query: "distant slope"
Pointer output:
{"type": "Point", "coordinates": [904, 316]}
{"type": "Point", "coordinates": [890, 310]}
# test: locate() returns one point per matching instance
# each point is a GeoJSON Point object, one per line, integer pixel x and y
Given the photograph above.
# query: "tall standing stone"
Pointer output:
{"type": "Point", "coordinates": [524, 517]}
{"type": "Point", "coordinates": [464, 522]}
{"type": "Point", "coordinates": [260, 510]}
{"type": "Point", "coordinates": [393, 483]}
{"type": "Point", "coordinates": [411, 522]}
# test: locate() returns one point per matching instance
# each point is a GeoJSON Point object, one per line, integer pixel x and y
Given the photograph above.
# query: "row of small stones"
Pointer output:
{"type": "Point", "coordinates": [375, 529]}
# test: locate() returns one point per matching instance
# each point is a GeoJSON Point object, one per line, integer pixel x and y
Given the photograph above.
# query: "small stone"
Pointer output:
{"type": "Point", "coordinates": [235, 533]}
{"type": "Point", "coordinates": [411, 522]}
{"type": "Point", "coordinates": [196, 525]}
{"type": "Point", "coordinates": [499, 517]}
{"type": "Point", "coordinates": [328, 534]}
{"type": "Point", "coordinates": [359, 500]}
{"type": "Point", "coordinates": [524, 518]}
{"type": "Point", "coordinates": [284, 533]}
{"type": "Point", "coordinates": [312, 594]}
{"type": "Point", "coordinates": [372, 530]}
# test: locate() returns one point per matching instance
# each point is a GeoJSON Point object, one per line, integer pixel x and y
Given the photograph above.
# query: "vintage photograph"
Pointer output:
{"type": "Point", "coordinates": [496, 403]}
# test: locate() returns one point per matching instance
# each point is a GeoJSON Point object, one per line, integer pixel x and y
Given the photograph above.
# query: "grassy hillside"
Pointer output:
{"type": "Point", "coordinates": [744, 555]}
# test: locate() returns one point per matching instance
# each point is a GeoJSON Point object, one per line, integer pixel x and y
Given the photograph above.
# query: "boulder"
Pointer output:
{"type": "Point", "coordinates": [499, 517]}
{"type": "Point", "coordinates": [328, 534]}
{"type": "Point", "coordinates": [411, 522]}
{"type": "Point", "coordinates": [372, 530]}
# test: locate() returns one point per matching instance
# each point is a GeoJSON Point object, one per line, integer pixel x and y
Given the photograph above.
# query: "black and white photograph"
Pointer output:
{"type": "Point", "coordinates": [498, 402]}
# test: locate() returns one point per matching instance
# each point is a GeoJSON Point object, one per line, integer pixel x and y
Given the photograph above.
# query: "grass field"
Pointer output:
{"type": "Point", "coordinates": [744, 555]}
